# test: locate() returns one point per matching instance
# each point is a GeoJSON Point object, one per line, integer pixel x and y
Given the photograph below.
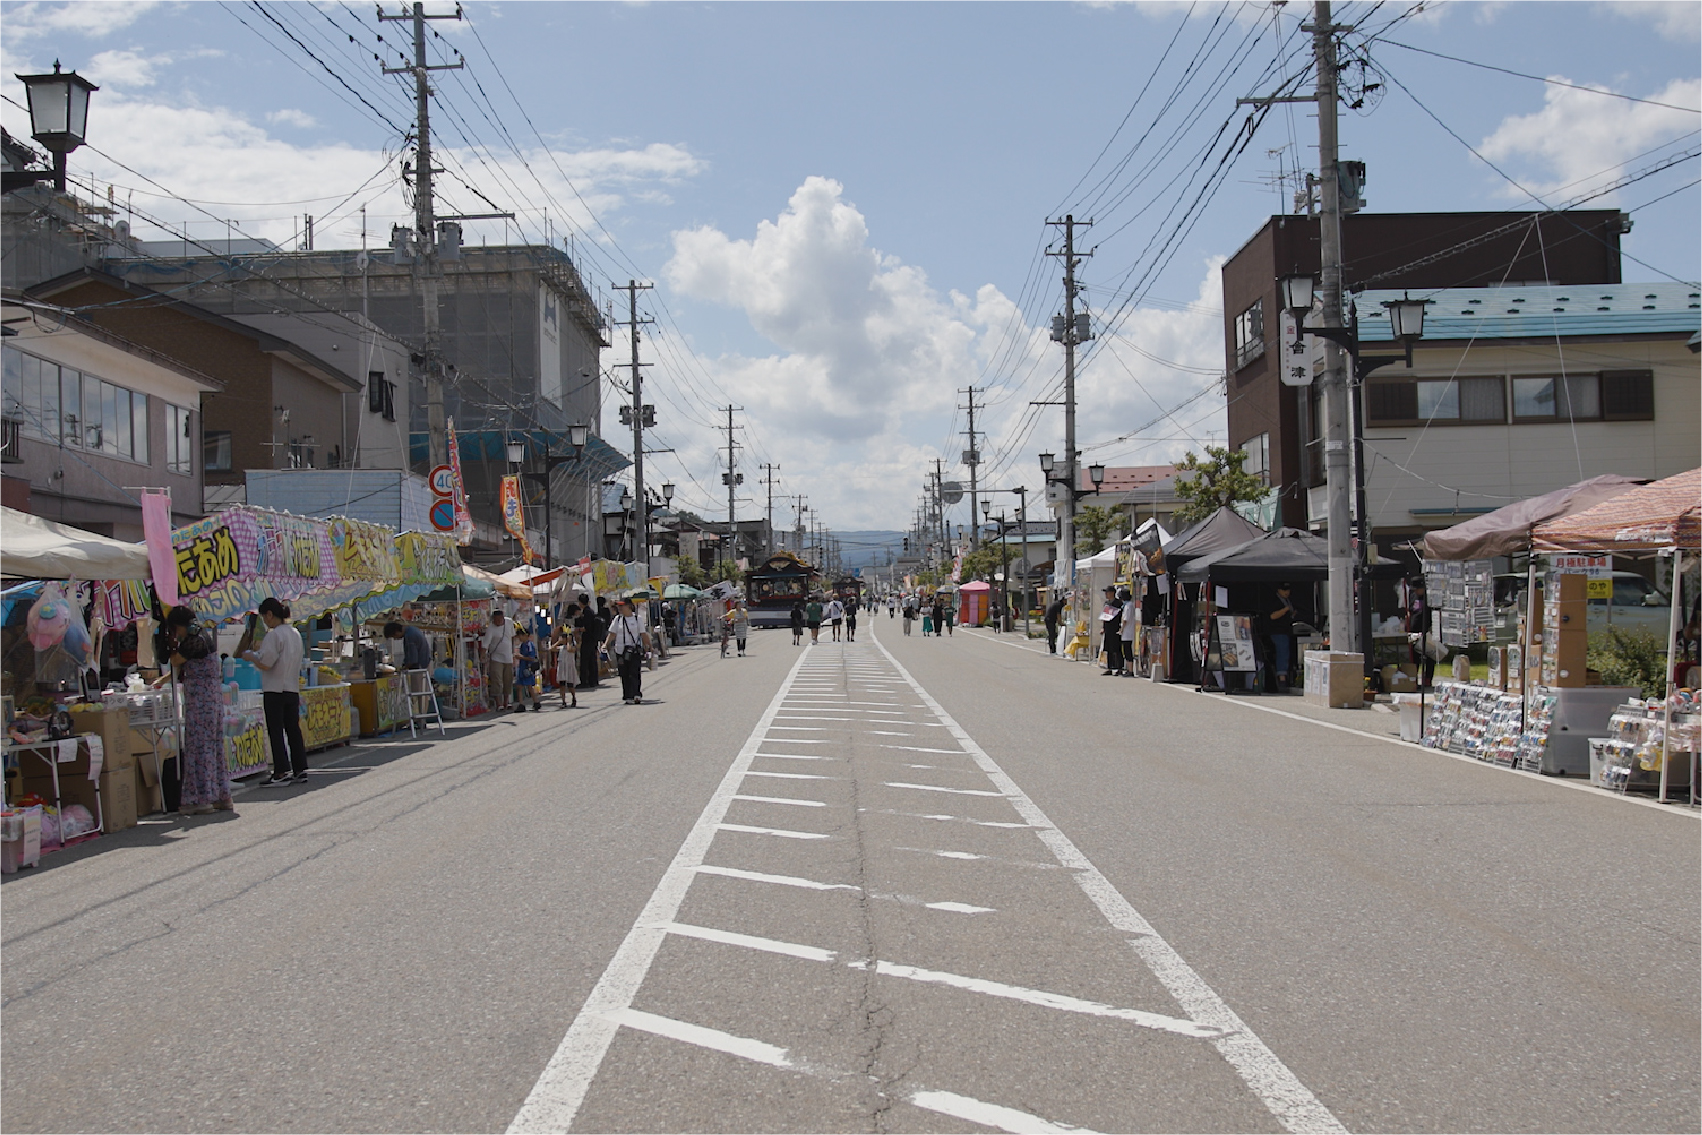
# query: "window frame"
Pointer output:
{"type": "Point", "coordinates": [1557, 416]}
{"type": "Point", "coordinates": [1419, 418]}
{"type": "Point", "coordinates": [52, 404]}
{"type": "Point", "coordinates": [1249, 333]}
{"type": "Point", "coordinates": [214, 442]}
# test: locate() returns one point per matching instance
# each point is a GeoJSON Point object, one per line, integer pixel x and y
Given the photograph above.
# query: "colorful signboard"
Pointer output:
{"type": "Point", "coordinates": [513, 517]}
{"type": "Point", "coordinates": [458, 486]}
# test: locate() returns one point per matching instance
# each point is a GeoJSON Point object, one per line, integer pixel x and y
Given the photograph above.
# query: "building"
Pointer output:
{"type": "Point", "coordinates": [1416, 251]}
{"type": "Point", "coordinates": [280, 406]}
{"type": "Point", "coordinates": [92, 417]}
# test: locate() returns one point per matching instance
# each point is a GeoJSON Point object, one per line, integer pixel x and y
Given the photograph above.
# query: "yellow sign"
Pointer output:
{"type": "Point", "coordinates": [1599, 589]}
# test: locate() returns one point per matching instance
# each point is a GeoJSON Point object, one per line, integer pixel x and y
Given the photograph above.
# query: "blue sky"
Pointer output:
{"type": "Point", "coordinates": [841, 204]}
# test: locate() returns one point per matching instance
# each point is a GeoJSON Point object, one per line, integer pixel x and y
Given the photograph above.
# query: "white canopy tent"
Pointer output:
{"type": "Point", "coordinates": [33, 548]}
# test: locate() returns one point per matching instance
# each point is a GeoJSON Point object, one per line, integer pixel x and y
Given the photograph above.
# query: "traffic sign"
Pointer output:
{"type": "Point", "coordinates": [443, 514]}
{"type": "Point", "coordinates": [950, 492]}
{"type": "Point", "coordinates": [442, 481]}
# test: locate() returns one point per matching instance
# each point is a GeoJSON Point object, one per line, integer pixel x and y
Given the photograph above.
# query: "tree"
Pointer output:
{"type": "Point", "coordinates": [980, 564]}
{"type": "Point", "coordinates": [725, 570]}
{"type": "Point", "coordinates": [1094, 526]}
{"type": "Point", "coordinates": [1218, 480]}
{"type": "Point", "coordinates": [691, 572]}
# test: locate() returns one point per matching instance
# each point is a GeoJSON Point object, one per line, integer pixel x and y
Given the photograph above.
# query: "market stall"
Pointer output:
{"type": "Point", "coordinates": [1176, 612]}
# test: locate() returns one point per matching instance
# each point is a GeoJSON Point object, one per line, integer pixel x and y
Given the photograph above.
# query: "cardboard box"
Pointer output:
{"type": "Point", "coordinates": [1400, 679]}
{"type": "Point", "coordinates": [22, 848]}
{"type": "Point", "coordinates": [112, 726]}
{"type": "Point", "coordinates": [1335, 678]}
{"type": "Point", "coordinates": [149, 797]}
{"type": "Point", "coordinates": [118, 800]}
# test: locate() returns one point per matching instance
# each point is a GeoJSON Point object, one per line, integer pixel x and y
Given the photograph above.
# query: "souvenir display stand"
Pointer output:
{"type": "Point", "coordinates": [457, 629]}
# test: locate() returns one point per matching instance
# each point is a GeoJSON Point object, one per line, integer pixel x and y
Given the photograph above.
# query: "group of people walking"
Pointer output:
{"type": "Point", "coordinates": [840, 615]}
{"type": "Point", "coordinates": [936, 614]}
{"type": "Point", "coordinates": [516, 655]}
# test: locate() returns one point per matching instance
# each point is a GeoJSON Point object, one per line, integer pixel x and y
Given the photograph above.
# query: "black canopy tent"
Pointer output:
{"type": "Point", "coordinates": [1222, 530]}
{"type": "Point", "coordinates": [1286, 554]}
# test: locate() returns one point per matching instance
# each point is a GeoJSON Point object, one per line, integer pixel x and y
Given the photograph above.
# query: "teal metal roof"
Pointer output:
{"type": "Point", "coordinates": [1540, 312]}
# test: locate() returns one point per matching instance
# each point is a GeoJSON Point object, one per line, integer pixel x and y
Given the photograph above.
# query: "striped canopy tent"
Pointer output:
{"type": "Point", "coordinates": [1664, 514]}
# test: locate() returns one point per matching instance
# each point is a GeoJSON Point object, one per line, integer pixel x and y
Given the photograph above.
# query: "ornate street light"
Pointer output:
{"type": "Point", "coordinates": [516, 452]}
{"type": "Point", "coordinates": [1096, 474]}
{"type": "Point", "coordinates": [1297, 294]}
{"type": "Point", "coordinates": [1046, 462]}
{"type": "Point", "coordinates": [668, 494]}
{"type": "Point", "coordinates": [59, 114]}
{"type": "Point", "coordinates": [577, 435]}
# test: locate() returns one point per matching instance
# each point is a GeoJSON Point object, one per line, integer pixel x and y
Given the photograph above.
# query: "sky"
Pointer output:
{"type": "Point", "coordinates": [844, 206]}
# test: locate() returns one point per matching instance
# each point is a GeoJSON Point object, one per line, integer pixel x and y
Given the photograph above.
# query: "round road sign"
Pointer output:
{"type": "Point", "coordinates": [443, 514]}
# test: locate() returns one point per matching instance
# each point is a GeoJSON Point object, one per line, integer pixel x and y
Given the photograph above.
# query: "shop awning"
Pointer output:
{"type": "Point", "coordinates": [1508, 529]}
{"type": "Point", "coordinates": [34, 548]}
{"type": "Point", "coordinates": [1664, 514]}
{"type": "Point", "coordinates": [681, 591]}
{"type": "Point", "coordinates": [499, 586]}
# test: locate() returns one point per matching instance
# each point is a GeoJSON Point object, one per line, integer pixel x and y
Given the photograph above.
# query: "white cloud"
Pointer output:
{"type": "Point", "coordinates": [289, 116]}
{"type": "Point", "coordinates": [82, 17]}
{"type": "Point", "coordinates": [1579, 139]}
{"type": "Point", "coordinates": [1675, 19]}
{"type": "Point", "coordinates": [124, 69]}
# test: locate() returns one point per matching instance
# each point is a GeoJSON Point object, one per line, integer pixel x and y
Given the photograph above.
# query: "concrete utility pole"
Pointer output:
{"type": "Point", "coordinates": [1067, 332]}
{"type": "Point", "coordinates": [427, 269]}
{"type": "Point", "coordinates": [732, 478]}
{"type": "Point", "coordinates": [972, 458]}
{"type": "Point", "coordinates": [768, 479]}
{"type": "Point", "coordinates": [939, 524]}
{"type": "Point", "coordinates": [638, 416]}
{"type": "Point", "coordinates": [1337, 471]}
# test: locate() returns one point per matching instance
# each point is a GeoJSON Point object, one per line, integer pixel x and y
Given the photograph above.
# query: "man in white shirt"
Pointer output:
{"type": "Point", "coordinates": [835, 616]}
{"type": "Point", "coordinates": [499, 659]}
{"type": "Point", "coordinates": [279, 660]}
{"type": "Point", "coordinates": [627, 644]}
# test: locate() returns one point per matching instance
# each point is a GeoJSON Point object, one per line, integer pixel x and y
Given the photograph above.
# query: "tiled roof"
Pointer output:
{"type": "Point", "coordinates": [1539, 312]}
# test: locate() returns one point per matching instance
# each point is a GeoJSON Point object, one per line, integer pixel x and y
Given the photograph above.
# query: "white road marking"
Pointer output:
{"type": "Point", "coordinates": [947, 854]}
{"type": "Point", "coordinates": [812, 717]}
{"type": "Point", "coordinates": [955, 819]}
{"type": "Point", "coordinates": [760, 1052]}
{"type": "Point", "coordinates": [1278, 1088]}
{"type": "Point", "coordinates": [887, 733]}
{"type": "Point", "coordinates": [781, 880]}
{"type": "Point", "coordinates": [715, 1039]}
{"type": "Point", "coordinates": [752, 942]}
{"type": "Point", "coordinates": [959, 908]}
{"type": "Point", "coordinates": [920, 749]}
{"type": "Point", "coordinates": [790, 775]}
{"type": "Point", "coordinates": [783, 800]}
{"type": "Point", "coordinates": [560, 1090]}
{"type": "Point", "coordinates": [1049, 1000]}
{"type": "Point", "coordinates": [798, 757]}
{"type": "Point", "coordinates": [797, 728]}
{"type": "Point", "coordinates": [783, 833]}
{"type": "Point", "coordinates": [937, 788]}
{"type": "Point", "coordinates": [792, 741]}
{"type": "Point", "coordinates": [986, 1114]}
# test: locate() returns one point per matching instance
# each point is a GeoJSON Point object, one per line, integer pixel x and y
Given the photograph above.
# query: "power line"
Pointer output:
{"type": "Point", "coordinates": [1537, 78]}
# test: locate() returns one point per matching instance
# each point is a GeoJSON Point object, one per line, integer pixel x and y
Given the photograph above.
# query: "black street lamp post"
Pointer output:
{"type": "Point", "coordinates": [59, 114]}
{"type": "Point", "coordinates": [577, 437]}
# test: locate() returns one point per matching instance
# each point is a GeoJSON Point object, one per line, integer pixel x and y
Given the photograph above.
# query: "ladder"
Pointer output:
{"type": "Point", "coordinates": [422, 702]}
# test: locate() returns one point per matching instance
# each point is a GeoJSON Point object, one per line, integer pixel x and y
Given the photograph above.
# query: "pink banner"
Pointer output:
{"type": "Point", "coordinates": [162, 557]}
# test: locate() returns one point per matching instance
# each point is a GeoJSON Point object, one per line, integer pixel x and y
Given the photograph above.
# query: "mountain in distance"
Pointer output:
{"type": "Point", "coordinates": [869, 548]}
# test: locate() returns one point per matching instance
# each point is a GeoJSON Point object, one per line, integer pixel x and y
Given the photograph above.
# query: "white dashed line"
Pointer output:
{"type": "Point", "coordinates": [937, 788]}
{"type": "Point", "coordinates": [782, 800]}
{"type": "Point", "coordinates": [783, 833]}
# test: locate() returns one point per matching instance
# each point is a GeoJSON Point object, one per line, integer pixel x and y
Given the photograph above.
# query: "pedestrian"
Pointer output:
{"type": "Point", "coordinates": [206, 777]}
{"type": "Point", "coordinates": [1111, 633]}
{"type": "Point", "coordinates": [279, 660]}
{"type": "Point", "coordinates": [891, 605]}
{"type": "Point", "coordinates": [741, 619]}
{"type": "Point", "coordinates": [566, 642]}
{"type": "Point", "coordinates": [797, 621]}
{"type": "Point", "coordinates": [416, 647]}
{"type": "Point", "coordinates": [1054, 612]}
{"type": "Point", "coordinates": [949, 615]}
{"type": "Point", "coordinates": [525, 671]}
{"type": "Point", "coordinates": [939, 615]}
{"type": "Point", "coordinates": [1279, 626]}
{"type": "Point", "coordinates": [812, 617]}
{"type": "Point", "coordinates": [909, 612]}
{"type": "Point", "coordinates": [627, 643]}
{"type": "Point", "coordinates": [851, 619]}
{"type": "Point", "coordinates": [1420, 625]}
{"type": "Point", "coordinates": [499, 661]}
{"type": "Point", "coordinates": [835, 616]}
{"type": "Point", "coordinates": [590, 637]}
{"type": "Point", "coordinates": [1131, 624]}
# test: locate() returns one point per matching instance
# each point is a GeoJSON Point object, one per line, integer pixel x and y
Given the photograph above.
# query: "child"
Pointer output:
{"type": "Point", "coordinates": [525, 671]}
{"type": "Point", "coordinates": [567, 663]}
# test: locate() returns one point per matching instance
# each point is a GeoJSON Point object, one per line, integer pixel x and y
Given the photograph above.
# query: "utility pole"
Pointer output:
{"type": "Point", "coordinates": [769, 471]}
{"type": "Point", "coordinates": [732, 478]}
{"type": "Point", "coordinates": [638, 415]}
{"type": "Point", "coordinates": [426, 266]}
{"type": "Point", "coordinates": [1066, 331]}
{"type": "Point", "coordinates": [939, 509]}
{"type": "Point", "coordinates": [972, 458]}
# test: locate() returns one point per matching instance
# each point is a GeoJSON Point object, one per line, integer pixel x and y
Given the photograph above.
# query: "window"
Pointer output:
{"type": "Point", "coordinates": [67, 407]}
{"type": "Point", "coordinates": [1250, 334]}
{"type": "Point", "coordinates": [179, 441]}
{"type": "Point", "coordinates": [1628, 395]}
{"type": "Point", "coordinates": [215, 451]}
{"type": "Point", "coordinates": [1575, 397]}
{"type": "Point", "coordinates": [1258, 463]}
{"type": "Point", "coordinates": [1399, 401]}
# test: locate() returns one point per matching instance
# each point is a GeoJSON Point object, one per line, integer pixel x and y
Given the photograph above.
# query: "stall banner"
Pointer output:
{"type": "Point", "coordinates": [428, 557]}
{"type": "Point", "coordinates": [228, 562]}
{"type": "Point", "coordinates": [120, 602]}
{"type": "Point", "coordinates": [391, 696]}
{"type": "Point", "coordinates": [363, 552]}
{"type": "Point", "coordinates": [513, 517]}
{"type": "Point", "coordinates": [324, 715]}
{"type": "Point", "coordinates": [156, 531]}
{"type": "Point", "coordinates": [463, 529]}
{"type": "Point", "coordinates": [246, 750]}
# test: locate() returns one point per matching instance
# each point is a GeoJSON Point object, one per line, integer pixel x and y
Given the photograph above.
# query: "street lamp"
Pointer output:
{"type": "Point", "coordinates": [668, 494]}
{"type": "Point", "coordinates": [1297, 295]}
{"type": "Point", "coordinates": [59, 114]}
{"type": "Point", "coordinates": [1046, 461]}
{"type": "Point", "coordinates": [1096, 474]}
{"type": "Point", "coordinates": [578, 434]}
{"type": "Point", "coordinates": [516, 452]}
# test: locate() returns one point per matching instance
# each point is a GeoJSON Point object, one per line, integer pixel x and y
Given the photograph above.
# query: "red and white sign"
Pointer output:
{"type": "Point", "coordinates": [1596, 567]}
{"type": "Point", "coordinates": [443, 481]}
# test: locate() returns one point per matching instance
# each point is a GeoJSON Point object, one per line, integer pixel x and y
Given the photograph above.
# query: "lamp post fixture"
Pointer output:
{"type": "Point", "coordinates": [59, 114]}
{"type": "Point", "coordinates": [1096, 474]}
{"type": "Point", "coordinates": [1406, 322]}
{"type": "Point", "coordinates": [577, 437]}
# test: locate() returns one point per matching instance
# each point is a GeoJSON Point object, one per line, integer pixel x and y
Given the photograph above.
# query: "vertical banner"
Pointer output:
{"type": "Point", "coordinates": [463, 515]}
{"type": "Point", "coordinates": [162, 557]}
{"type": "Point", "coordinates": [512, 517]}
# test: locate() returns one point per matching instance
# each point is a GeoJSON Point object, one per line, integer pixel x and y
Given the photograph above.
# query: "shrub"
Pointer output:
{"type": "Point", "coordinates": [1636, 657]}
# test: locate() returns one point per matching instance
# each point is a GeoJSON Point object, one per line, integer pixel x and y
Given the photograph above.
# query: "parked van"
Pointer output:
{"type": "Point", "coordinates": [1635, 603]}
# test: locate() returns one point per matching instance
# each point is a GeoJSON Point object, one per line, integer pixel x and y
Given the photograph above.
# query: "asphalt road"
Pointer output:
{"type": "Point", "coordinates": [959, 886]}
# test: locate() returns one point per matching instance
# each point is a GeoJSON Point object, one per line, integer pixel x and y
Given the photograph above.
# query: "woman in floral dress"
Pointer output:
{"type": "Point", "coordinates": [206, 781]}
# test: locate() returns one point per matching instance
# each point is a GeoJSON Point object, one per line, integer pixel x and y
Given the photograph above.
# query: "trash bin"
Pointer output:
{"type": "Point", "coordinates": [1412, 716]}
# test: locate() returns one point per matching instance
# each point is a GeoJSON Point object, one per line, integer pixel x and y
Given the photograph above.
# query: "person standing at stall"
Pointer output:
{"type": "Point", "coordinates": [416, 647]}
{"type": "Point", "coordinates": [279, 660]}
{"type": "Point", "coordinates": [1054, 612]}
{"type": "Point", "coordinates": [627, 644]}
{"type": "Point", "coordinates": [206, 779]}
{"type": "Point", "coordinates": [1419, 626]}
{"type": "Point", "coordinates": [499, 660]}
{"type": "Point", "coordinates": [566, 640]}
{"type": "Point", "coordinates": [590, 639]}
{"type": "Point", "coordinates": [525, 671]}
{"type": "Point", "coordinates": [1111, 632]}
{"type": "Point", "coordinates": [1279, 628]}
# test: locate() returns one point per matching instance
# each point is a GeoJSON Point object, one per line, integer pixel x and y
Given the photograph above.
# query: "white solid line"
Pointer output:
{"type": "Point", "coordinates": [783, 800]}
{"type": "Point", "coordinates": [798, 728]}
{"type": "Point", "coordinates": [798, 757]}
{"type": "Point", "coordinates": [783, 833]}
{"type": "Point", "coordinates": [1040, 997]}
{"type": "Point", "coordinates": [752, 942]}
{"type": "Point", "coordinates": [920, 749]}
{"type": "Point", "coordinates": [937, 788]}
{"type": "Point", "coordinates": [790, 775]}
{"type": "Point", "coordinates": [715, 1039]}
{"type": "Point", "coordinates": [560, 1090]}
{"type": "Point", "coordinates": [986, 1114]}
{"type": "Point", "coordinates": [887, 733]}
{"type": "Point", "coordinates": [793, 741]}
{"type": "Point", "coordinates": [1278, 1088]}
{"type": "Point", "coordinates": [782, 880]}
